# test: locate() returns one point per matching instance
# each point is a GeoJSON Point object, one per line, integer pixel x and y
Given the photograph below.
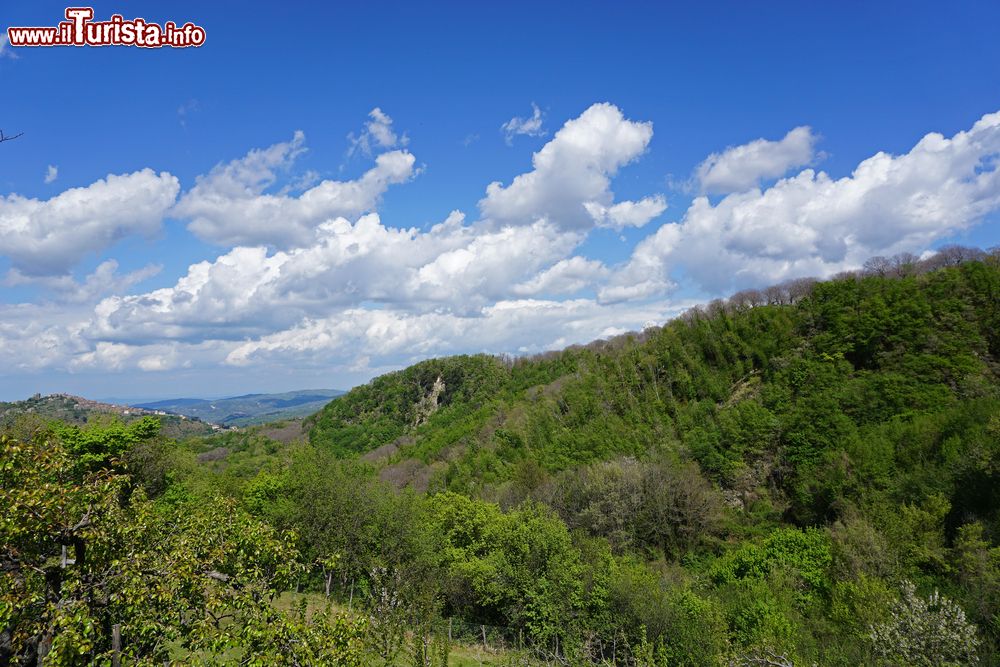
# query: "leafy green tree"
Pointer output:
{"type": "Point", "coordinates": [84, 553]}
{"type": "Point", "coordinates": [806, 554]}
{"type": "Point", "coordinates": [95, 445]}
{"type": "Point", "coordinates": [518, 569]}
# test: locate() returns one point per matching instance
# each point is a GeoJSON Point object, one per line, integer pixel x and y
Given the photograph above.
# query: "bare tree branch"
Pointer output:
{"type": "Point", "coordinates": [4, 138]}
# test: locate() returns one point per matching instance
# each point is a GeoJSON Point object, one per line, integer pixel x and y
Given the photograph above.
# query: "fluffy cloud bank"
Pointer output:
{"type": "Point", "coordinates": [743, 167]}
{"type": "Point", "coordinates": [230, 205]}
{"type": "Point", "coordinates": [627, 213]}
{"type": "Point", "coordinates": [48, 237]}
{"type": "Point", "coordinates": [336, 286]}
{"type": "Point", "coordinates": [814, 224]}
{"type": "Point", "coordinates": [249, 292]}
{"type": "Point", "coordinates": [516, 325]}
{"type": "Point", "coordinates": [572, 172]}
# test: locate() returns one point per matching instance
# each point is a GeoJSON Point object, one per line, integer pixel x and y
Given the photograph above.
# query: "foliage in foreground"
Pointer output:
{"type": "Point", "coordinates": [84, 552]}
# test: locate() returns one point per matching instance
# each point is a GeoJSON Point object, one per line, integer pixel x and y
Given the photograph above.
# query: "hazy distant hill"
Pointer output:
{"type": "Point", "coordinates": [248, 409]}
{"type": "Point", "coordinates": [78, 410]}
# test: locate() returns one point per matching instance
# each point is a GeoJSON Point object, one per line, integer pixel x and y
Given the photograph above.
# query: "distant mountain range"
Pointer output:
{"type": "Point", "coordinates": [248, 409]}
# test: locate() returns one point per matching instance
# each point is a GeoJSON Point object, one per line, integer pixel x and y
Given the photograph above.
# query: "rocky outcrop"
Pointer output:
{"type": "Point", "coordinates": [428, 405]}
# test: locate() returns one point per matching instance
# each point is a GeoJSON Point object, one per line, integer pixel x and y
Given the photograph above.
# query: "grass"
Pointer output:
{"type": "Point", "coordinates": [461, 655]}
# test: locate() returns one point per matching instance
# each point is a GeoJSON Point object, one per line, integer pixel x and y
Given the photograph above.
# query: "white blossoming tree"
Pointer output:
{"type": "Point", "coordinates": [931, 632]}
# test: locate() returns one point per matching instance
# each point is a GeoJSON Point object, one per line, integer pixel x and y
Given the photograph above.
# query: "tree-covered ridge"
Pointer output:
{"type": "Point", "coordinates": [785, 377]}
{"type": "Point", "coordinates": [383, 410]}
{"type": "Point", "coordinates": [868, 406]}
{"type": "Point", "coordinates": [801, 475]}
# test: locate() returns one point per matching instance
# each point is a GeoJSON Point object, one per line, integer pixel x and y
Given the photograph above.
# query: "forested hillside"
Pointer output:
{"type": "Point", "coordinates": [808, 474]}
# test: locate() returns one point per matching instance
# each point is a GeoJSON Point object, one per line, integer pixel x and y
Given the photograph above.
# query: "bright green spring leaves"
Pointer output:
{"type": "Point", "coordinates": [83, 551]}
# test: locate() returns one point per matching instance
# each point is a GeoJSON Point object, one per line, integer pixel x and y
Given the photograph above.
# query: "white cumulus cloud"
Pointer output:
{"type": "Point", "coordinates": [514, 325]}
{"type": "Point", "coordinates": [249, 290]}
{"type": "Point", "coordinates": [104, 280]}
{"type": "Point", "coordinates": [230, 205]}
{"type": "Point", "coordinates": [378, 133]}
{"type": "Point", "coordinates": [531, 126]}
{"type": "Point", "coordinates": [814, 224]}
{"type": "Point", "coordinates": [627, 213]}
{"type": "Point", "coordinates": [48, 237]}
{"type": "Point", "coordinates": [740, 168]}
{"type": "Point", "coordinates": [572, 170]}
{"type": "Point", "coordinates": [566, 276]}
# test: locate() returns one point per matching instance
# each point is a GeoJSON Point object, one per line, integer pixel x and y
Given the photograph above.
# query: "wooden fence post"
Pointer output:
{"type": "Point", "coordinates": [116, 645]}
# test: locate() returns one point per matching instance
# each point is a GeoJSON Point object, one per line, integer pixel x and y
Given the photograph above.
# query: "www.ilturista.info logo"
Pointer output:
{"type": "Point", "coordinates": [81, 30]}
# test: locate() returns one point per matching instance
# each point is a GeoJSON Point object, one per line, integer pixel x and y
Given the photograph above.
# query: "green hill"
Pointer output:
{"type": "Point", "coordinates": [808, 474]}
{"type": "Point", "coordinates": [78, 410]}
{"type": "Point", "coordinates": [777, 392]}
{"type": "Point", "coordinates": [797, 456]}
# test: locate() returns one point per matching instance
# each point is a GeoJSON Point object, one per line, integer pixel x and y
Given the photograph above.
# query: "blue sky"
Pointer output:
{"type": "Point", "coordinates": [268, 211]}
